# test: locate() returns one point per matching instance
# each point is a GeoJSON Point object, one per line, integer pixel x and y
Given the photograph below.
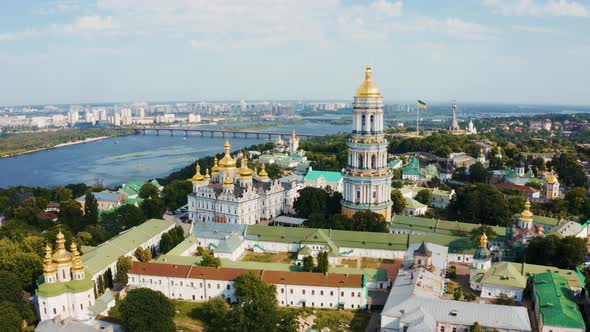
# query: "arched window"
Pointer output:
{"type": "Point", "coordinates": [372, 123]}
{"type": "Point", "coordinates": [360, 161]}
{"type": "Point", "coordinates": [373, 161]}
{"type": "Point", "coordinates": [363, 123]}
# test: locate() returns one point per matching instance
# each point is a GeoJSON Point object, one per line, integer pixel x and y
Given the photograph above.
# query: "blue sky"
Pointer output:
{"type": "Point", "coordinates": [513, 51]}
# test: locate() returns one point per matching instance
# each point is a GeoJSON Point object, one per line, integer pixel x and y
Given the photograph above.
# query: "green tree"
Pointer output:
{"type": "Point", "coordinates": [100, 285]}
{"type": "Point", "coordinates": [148, 311]}
{"type": "Point", "coordinates": [149, 190]}
{"type": "Point", "coordinates": [308, 263]}
{"type": "Point", "coordinates": [128, 216]}
{"type": "Point", "coordinates": [478, 173]}
{"type": "Point", "coordinates": [91, 208]}
{"type": "Point", "coordinates": [504, 299]}
{"type": "Point", "coordinates": [424, 196]}
{"type": "Point", "coordinates": [475, 328]}
{"type": "Point", "coordinates": [317, 200]}
{"type": "Point", "coordinates": [399, 202]}
{"type": "Point", "coordinates": [571, 172]}
{"type": "Point", "coordinates": [457, 293]}
{"type": "Point", "coordinates": [63, 194]}
{"type": "Point", "coordinates": [29, 209]}
{"type": "Point", "coordinates": [124, 263]}
{"type": "Point", "coordinates": [479, 204]}
{"type": "Point", "coordinates": [210, 260]}
{"type": "Point", "coordinates": [175, 194]}
{"type": "Point", "coordinates": [70, 213]}
{"type": "Point", "coordinates": [323, 262]}
{"type": "Point", "coordinates": [452, 272]}
{"type": "Point", "coordinates": [216, 312]}
{"type": "Point", "coordinates": [84, 238]}
{"type": "Point", "coordinates": [153, 208]}
{"type": "Point", "coordinates": [369, 221]}
{"type": "Point", "coordinates": [11, 319]}
{"type": "Point", "coordinates": [257, 308]}
{"type": "Point", "coordinates": [143, 255]}
{"type": "Point", "coordinates": [564, 253]}
{"type": "Point", "coordinates": [11, 289]}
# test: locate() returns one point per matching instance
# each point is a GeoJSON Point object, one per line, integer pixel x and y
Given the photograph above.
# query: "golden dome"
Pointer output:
{"type": "Point", "coordinates": [483, 240]}
{"type": "Point", "coordinates": [48, 266]}
{"type": "Point", "coordinates": [227, 161]}
{"type": "Point", "coordinates": [551, 178]}
{"type": "Point", "coordinates": [527, 215]}
{"type": "Point", "coordinates": [263, 174]}
{"type": "Point", "coordinates": [293, 137]}
{"type": "Point", "coordinates": [207, 176]}
{"type": "Point", "coordinates": [228, 182]}
{"type": "Point", "coordinates": [368, 88]}
{"type": "Point", "coordinates": [244, 171]}
{"type": "Point", "coordinates": [198, 177]}
{"type": "Point", "coordinates": [61, 256]}
{"type": "Point", "coordinates": [76, 260]}
{"type": "Point", "coordinates": [215, 168]}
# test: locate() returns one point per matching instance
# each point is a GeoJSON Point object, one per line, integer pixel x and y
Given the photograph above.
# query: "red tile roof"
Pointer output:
{"type": "Point", "coordinates": [230, 274]}
{"type": "Point", "coordinates": [518, 187]}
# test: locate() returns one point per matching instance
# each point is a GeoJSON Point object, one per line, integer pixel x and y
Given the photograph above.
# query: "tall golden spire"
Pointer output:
{"type": "Point", "coordinates": [215, 169]}
{"type": "Point", "coordinates": [483, 240]}
{"type": "Point", "coordinates": [368, 87]}
{"type": "Point", "coordinates": [198, 177]}
{"type": "Point", "coordinates": [227, 161]}
{"type": "Point", "coordinates": [76, 260]}
{"type": "Point", "coordinates": [48, 266]}
{"type": "Point", "coordinates": [527, 215]}
{"type": "Point", "coordinates": [207, 176]}
{"type": "Point", "coordinates": [61, 257]}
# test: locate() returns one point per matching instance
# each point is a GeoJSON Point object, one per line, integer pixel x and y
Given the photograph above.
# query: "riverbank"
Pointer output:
{"type": "Point", "coordinates": [87, 140]}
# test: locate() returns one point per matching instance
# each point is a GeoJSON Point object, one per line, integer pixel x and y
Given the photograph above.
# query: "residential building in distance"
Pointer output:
{"type": "Point", "coordinates": [367, 178]}
{"type": "Point", "coordinates": [106, 200]}
{"type": "Point", "coordinates": [551, 189]}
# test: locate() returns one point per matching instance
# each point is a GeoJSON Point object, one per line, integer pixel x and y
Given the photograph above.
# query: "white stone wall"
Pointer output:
{"type": "Point", "coordinates": [73, 305]}
{"type": "Point", "coordinates": [287, 295]}
{"type": "Point", "coordinates": [494, 291]}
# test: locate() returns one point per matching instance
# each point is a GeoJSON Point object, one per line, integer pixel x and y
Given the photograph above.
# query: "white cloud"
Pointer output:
{"type": "Point", "coordinates": [59, 7]}
{"type": "Point", "coordinates": [533, 29]}
{"type": "Point", "coordinates": [455, 27]}
{"type": "Point", "coordinates": [88, 24]}
{"type": "Point", "coordinates": [7, 36]}
{"type": "Point", "coordinates": [538, 8]}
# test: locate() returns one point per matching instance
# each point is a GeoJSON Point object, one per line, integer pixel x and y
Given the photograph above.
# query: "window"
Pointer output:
{"type": "Point", "coordinates": [192, 284]}
{"type": "Point", "coordinates": [454, 329]}
{"type": "Point", "coordinates": [291, 291]}
{"type": "Point", "coordinates": [193, 297]}
{"type": "Point", "coordinates": [181, 283]}
{"type": "Point", "coordinates": [341, 293]}
{"type": "Point", "coordinates": [228, 287]}
{"type": "Point", "coordinates": [208, 285]}
{"type": "Point", "coordinates": [352, 294]}
{"type": "Point", "coordinates": [218, 286]}
{"type": "Point", "coordinates": [312, 292]}
{"type": "Point", "coordinates": [81, 306]}
{"type": "Point", "coordinates": [331, 294]}
{"type": "Point", "coordinates": [45, 310]}
{"type": "Point", "coordinates": [321, 292]}
{"type": "Point", "coordinates": [358, 294]}
{"type": "Point", "coordinates": [282, 290]}
{"type": "Point", "coordinates": [160, 281]}
{"type": "Point", "coordinates": [303, 291]}
{"type": "Point", "coordinates": [54, 311]}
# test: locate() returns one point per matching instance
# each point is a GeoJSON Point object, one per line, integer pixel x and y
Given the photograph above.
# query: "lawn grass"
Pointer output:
{"type": "Point", "coordinates": [336, 320]}
{"type": "Point", "coordinates": [189, 315]}
{"type": "Point", "coordinates": [267, 257]}
{"type": "Point", "coordinates": [349, 262]}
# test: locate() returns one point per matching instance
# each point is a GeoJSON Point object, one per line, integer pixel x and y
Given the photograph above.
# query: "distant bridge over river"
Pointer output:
{"type": "Point", "coordinates": [216, 132]}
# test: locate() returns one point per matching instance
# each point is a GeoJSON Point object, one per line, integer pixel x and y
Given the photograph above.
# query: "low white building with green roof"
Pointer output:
{"type": "Point", "coordinates": [555, 305]}
{"type": "Point", "coordinates": [414, 208]}
{"type": "Point", "coordinates": [323, 179]}
{"type": "Point", "coordinates": [99, 259]}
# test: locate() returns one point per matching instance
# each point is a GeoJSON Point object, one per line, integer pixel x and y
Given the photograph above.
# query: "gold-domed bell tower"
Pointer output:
{"type": "Point", "coordinates": [245, 173]}
{"type": "Point", "coordinates": [525, 220]}
{"type": "Point", "coordinates": [62, 259]}
{"type": "Point", "coordinates": [482, 259]}
{"type": "Point", "coordinates": [367, 179]}
{"type": "Point", "coordinates": [77, 266]}
{"type": "Point", "coordinates": [293, 143]}
{"type": "Point", "coordinates": [49, 269]}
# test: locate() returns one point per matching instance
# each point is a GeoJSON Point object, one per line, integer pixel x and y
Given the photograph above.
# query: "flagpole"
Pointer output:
{"type": "Point", "coordinates": [417, 121]}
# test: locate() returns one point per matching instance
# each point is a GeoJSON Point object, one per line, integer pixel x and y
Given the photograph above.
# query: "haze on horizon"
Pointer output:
{"type": "Point", "coordinates": [501, 51]}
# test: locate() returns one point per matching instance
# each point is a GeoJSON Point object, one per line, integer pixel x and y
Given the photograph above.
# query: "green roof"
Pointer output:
{"type": "Point", "coordinates": [412, 168]}
{"type": "Point", "coordinates": [515, 276]}
{"type": "Point", "coordinates": [108, 252]}
{"type": "Point", "coordinates": [58, 288]}
{"type": "Point", "coordinates": [182, 246]}
{"type": "Point", "coordinates": [353, 239]}
{"type": "Point", "coordinates": [438, 226]}
{"type": "Point", "coordinates": [372, 274]}
{"type": "Point", "coordinates": [413, 204]}
{"type": "Point", "coordinates": [556, 301]}
{"type": "Point", "coordinates": [328, 176]}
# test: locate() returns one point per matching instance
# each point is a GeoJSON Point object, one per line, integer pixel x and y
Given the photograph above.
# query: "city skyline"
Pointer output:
{"type": "Point", "coordinates": [490, 51]}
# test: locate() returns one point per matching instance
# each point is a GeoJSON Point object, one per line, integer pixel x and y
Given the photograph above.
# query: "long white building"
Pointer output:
{"type": "Point", "coordinates": [293, 289]}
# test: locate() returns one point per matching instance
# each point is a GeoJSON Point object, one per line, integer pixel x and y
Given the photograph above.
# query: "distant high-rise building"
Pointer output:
{"type": "Point", "coordinates": [367, 179]}
{"type": "Point", "coordinates": [73, 117]}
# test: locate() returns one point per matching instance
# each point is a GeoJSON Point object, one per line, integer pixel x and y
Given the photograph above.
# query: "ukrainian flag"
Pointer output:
{"type": "Point", "coordinates": [422, 104]}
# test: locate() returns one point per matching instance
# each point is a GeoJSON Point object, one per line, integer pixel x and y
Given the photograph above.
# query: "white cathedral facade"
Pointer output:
{"type": "Point", "coordinates": [239, 195]}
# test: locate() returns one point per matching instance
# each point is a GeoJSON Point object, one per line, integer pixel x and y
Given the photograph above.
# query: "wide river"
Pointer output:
{"type": "Point", "coordinates": [115, 161]}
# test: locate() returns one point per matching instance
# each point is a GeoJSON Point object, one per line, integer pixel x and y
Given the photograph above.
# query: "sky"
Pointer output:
{"type": "Point", "coordinates": [498, 51]}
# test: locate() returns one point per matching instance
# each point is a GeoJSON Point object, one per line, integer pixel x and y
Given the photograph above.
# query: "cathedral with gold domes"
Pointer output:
{"type": "Point", "coordinates": [66, 289]}
{"type": "Point", "coordinates": [236, 194]}
{"type": "Point", "coordinates": [367, 179]}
